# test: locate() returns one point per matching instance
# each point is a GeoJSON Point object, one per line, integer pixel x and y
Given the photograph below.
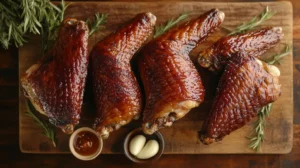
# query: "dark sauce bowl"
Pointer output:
{"type": "Point", "coordinates": [155, 136]}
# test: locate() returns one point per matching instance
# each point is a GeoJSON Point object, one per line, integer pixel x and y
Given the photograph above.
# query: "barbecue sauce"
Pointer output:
{"type": "Point", "coordinates": [86, 143]}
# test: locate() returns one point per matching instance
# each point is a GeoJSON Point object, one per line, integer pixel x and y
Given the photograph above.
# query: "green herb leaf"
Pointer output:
{"type": "Point", "coordinates": [170, 23]}
{"type": "Point", "coordinates": [258, 131]}
{"type": "Point", "coordinates": [96, 24]}
{"type": "Point", "coordinates": [276, 58]}
{"type": "Point", "coordinates": [257, 135]}
{"type": "Point", "coordinates": [17, 19]}
{"type": "Point", "coordinates": [49, 130]}
{"type": "Point", "coordinates": [255, 21]}
{"type": "Point", "coordinates": [51, 25]}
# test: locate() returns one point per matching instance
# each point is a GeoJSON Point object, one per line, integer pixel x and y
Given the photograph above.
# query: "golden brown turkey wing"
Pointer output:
{"type": "Point", "coordinates": [55, 85]}
{"type": "Point", "coordinates": [116, 91]}
{"type": "Point", "coordinates": [246, 86]}
{"type": "Point", "coordinates": [171, 82]}
{"type": "Point", "coordinates": [254, 43]}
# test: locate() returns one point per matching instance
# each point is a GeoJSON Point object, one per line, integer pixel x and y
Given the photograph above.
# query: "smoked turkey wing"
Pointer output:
{"type": "Point", "coordinates": [116, 90]}
{"type": "Point", "coordinates": [245, 87]}
{"type": "Point", "coordinates": [55, 85]}
{"type": "Point", "coordinates": [171, 82]}
{"type": "Point", "coordinates": [254, 43]}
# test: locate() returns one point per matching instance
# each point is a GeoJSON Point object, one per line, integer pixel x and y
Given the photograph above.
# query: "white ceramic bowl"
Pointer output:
{"type": "Point", "coordinates": [82, 157]}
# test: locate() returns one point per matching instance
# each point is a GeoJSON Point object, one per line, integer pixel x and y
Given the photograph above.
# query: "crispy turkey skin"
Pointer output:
{"type": "Point", "coordinates": [245, 87]}
{"type": "Point", "coordinates": [171, 82]}
{"type": "Point", "coordinates": [253, 43]}
{"type": "Point", "coordinates": [116, 90]}
{"type": "Point", "coordinates": [55, 85]}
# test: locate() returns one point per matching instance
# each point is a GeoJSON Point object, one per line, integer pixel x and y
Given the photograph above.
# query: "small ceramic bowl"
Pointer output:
{"type": "Point", "coordinates": [85, 157]}
{"type": "Point", "coordinates": [155, 136]}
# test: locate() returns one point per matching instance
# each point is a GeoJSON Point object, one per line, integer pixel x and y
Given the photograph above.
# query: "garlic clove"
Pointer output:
{"type": "Point", "coordinates": [271, 69]}
{"type": "Point", "coordinates": [136, 144]}
{"type": "Point", "coordinates": [151, 148]}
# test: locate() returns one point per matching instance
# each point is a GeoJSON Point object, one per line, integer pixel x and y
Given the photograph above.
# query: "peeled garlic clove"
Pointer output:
{"type": "Point", "coordinates": [273, 70]}
{"type": "Point", "coordinates": [151, 148]}
{"type": "Point", "coordinates": [136, 144]}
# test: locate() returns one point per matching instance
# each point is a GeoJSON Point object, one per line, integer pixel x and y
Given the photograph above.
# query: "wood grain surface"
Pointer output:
{"type": "Point", "coordinates": [182, 137]}
{"type": "Point", "coordinates": [11, 156]}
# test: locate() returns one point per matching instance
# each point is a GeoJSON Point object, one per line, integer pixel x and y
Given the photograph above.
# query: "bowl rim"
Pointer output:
{"type": "Point", "coordinates": [77, 155]}
{"type": "Point", "coordinates": [130, 135]}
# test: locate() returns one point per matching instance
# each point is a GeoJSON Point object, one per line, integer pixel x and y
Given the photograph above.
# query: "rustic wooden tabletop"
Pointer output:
{"type": "Point", "coordinates": [10, 155]}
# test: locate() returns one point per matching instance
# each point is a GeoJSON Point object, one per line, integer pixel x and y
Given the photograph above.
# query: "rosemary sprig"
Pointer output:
{"type": "Point", "coordinates": [51, 24]}
{"type": "Point", "coordinates": [10, 29]}
{"type": "Point", "coordinates": [257, 20]}
{"type": "Point", "coordinates": [278, 57]}
{"type": "Point", "coordinates": [55, 19]}
{"type": "Point", "coordinates": [170, 23]}
{"type": "Point", "coordinates": [17, 19]}
{"type": "Point", "coordinates": [257, 139]}
{"type": "Point", "coordinates": [259, 126]}
{"type": "Point", "coordinates": [32, 15]}
{"type": "Point", "coordinates": [96, 24]}
{"type": "Point", "coordinates": [49, 130]}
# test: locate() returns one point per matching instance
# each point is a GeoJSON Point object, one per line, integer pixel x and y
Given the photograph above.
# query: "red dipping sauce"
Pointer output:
{"type": "Point", "coordinates": [86, 143]}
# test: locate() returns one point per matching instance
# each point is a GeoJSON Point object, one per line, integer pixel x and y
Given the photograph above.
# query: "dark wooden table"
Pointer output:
{"type": "Point", "coordinates": [10, 155]}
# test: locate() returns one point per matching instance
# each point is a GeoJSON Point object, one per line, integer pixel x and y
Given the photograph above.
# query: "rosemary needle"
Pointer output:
{"type": "Point", "coordinates": [255, 21]}
{"type": "Point", "coordinates": [49, 130]}
{"type": "Point", "coordinates": [51, 25]}
{"type": "Point", "coordinates": [170, 23]}
{"type": "Point", "coordinates": [259, 126]}
{"type": "Point", "coordinates": [278, 57]}
{"type": "Point", "coordinates": [96, 24]}
{"type": "Point", "coordinates": [26, 16]}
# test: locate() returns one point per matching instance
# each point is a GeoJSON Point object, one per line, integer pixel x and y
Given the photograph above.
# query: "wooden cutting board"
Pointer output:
{"type": "Point", "coordinates": [181, 138]}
